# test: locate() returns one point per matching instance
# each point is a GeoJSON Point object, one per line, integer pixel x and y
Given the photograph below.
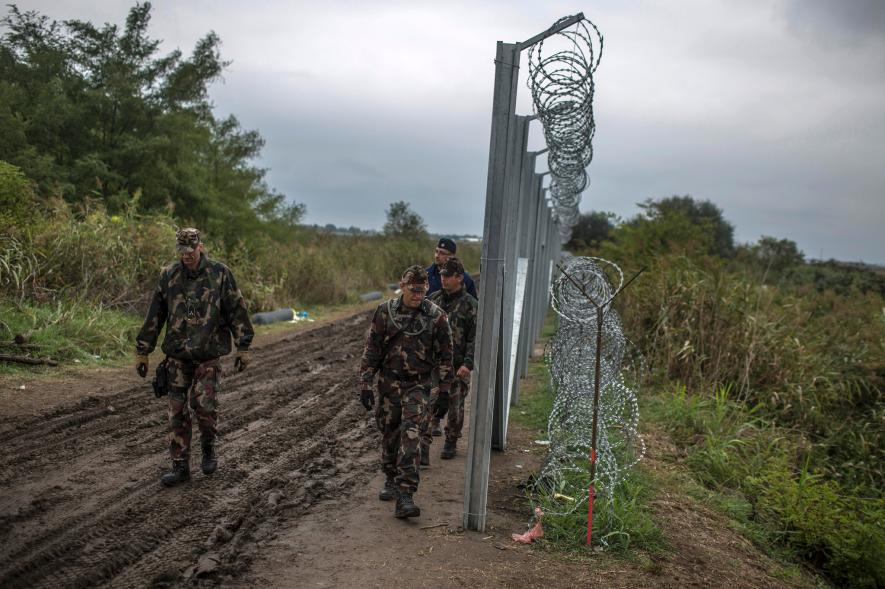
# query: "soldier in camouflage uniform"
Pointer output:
{"type": "Point", "coordinates": [408, 339]}
{"type": "Point", "coordinates": [461, 308]}
{"type": "Point", "coordinates": [198, 300]}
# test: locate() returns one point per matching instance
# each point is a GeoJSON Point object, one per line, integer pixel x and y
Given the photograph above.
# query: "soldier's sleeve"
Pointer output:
{"type": "Point", "coordinates": [235, 314]}
{"type": "Point", "coordinates": [370, 363]}
{"type": "Point", "coordinates": [158, 312]}
{"type": "Point", "coordinates": [442, 352]}
{"type": "Point", "coordinates": [470, 335]}
{"type": "Point", "coordinates": [471, 286]}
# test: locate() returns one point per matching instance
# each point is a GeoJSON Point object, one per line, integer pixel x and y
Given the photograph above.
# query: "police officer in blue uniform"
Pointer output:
{"type": "Point", "coordinates": [445, 249]}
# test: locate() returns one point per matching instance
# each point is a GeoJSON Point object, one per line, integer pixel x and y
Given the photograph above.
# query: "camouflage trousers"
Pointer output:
{"type": "Point", "coordinates": [193, 388]}
{"type": "Point", "coordinates": [399, 415]}
{"type": "Point", "coordinates": [455, 419]}
{"type": "Point", "coordinates": [451, 405]}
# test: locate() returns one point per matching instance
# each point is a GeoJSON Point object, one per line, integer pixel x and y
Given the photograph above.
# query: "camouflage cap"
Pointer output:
{"type": "Point", "coordinates": [188, 239]}
{"type": "Point", "coordinates": [452, 267]}
{"type": "Point", "coordinates": [414, 275]}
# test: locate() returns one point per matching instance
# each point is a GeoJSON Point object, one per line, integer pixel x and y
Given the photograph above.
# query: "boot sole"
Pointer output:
{"type": "Point", "coordinates": [174, 483]}
{"type": "Point", "coordinates": [209, 471]}
{"type": "Point", "coordinates": [406, 514]}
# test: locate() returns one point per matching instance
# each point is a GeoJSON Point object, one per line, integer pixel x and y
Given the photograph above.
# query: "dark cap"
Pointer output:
{"type": "Point", "coordinates": [447, 244]}
{"type": "Point", "coordinates": [452, 267]}
{"type": "Point", "coordinates": [188, 239]}
{"type": "Point", "coordinates": [414, 275]}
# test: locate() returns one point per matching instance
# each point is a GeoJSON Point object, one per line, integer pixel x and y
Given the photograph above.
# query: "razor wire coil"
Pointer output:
{"type": "Point", "coordinates": [562, 88]}
{"type": "Point", "coordinates": [584, 286]}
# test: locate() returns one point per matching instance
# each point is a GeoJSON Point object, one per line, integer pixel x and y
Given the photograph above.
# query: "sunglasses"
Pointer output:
{"type": "Point", "coordinates": [418, 289]}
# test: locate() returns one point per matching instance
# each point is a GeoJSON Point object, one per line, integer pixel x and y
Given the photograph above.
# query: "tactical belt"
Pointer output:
{"type": "Point", "coordinates": [406, 378]}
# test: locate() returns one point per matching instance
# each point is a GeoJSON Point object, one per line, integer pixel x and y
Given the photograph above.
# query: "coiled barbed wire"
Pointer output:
{"type": "Point", "coordinates": [571, 358]}
{"type": "Point", "coordinates": [562, 90]}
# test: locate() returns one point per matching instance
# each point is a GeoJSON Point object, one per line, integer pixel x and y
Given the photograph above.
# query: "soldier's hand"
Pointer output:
{"type": "Point", "coordinates": [241, 360]}
{"type": "Point", "coordinates": [463, 372]}
{"type": "Point", "coordinates": [141, 365]}
{"type": "Point", "coordinates": [367, 398]}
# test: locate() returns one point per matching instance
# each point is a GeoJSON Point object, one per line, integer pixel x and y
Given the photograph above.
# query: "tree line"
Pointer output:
{"type": "Point", "coordinates": [98, 113]}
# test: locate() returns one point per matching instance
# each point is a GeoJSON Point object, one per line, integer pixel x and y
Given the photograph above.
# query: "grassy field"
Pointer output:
{"type": "Point", "coordinates": [76, 283]}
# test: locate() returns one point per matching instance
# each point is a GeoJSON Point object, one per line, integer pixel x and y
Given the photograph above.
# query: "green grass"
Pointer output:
{"type": "Point", "coordinates": [760, 476]}
{"type": "Point", "coordinates": [621, 524]}
{"type": "Point", "coordinates": [71, 333]}
{"type": "Point", "coordinates": [536, 400]}
{"type": "Point", "coordinates": [84, 335]}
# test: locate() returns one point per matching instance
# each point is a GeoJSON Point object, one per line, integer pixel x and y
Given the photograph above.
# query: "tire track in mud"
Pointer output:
{"type": "Point", "coordinates": [80, 499]}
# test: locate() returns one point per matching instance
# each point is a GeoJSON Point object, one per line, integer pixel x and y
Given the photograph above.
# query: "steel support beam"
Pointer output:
{"type": "Point", "coordinates": [487, 366]}
{"type": "Point", "coordinates": [512, 213]}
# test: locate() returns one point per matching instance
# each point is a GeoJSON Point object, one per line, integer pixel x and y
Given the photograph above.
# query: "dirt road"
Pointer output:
{"type": "Point", "coordinates": [294, 502]}
{"type": "Point", "coordinates": [80, 505]}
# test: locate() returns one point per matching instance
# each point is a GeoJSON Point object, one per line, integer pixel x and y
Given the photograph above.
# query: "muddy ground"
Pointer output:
{"type": "Point", "coordinates": [293, 503]}
{"type": "Point", "coordinates": [80, 504]}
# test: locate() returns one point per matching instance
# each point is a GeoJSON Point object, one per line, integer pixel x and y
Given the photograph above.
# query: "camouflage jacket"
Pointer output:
{"type": "Point", "coordinates": [461, 309]}
{"type": "Point", "coordinates": [201, 310]}
{"type": "Point", "coordinates": [425, 343]}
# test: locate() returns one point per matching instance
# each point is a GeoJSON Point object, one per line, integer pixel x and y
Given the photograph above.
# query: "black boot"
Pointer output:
{"type": "Point", "coordinates": [180, 473]}
{"type": "Point", "coordinates": [390, 490]}
{"type": "Point", "coordinates": [210, 460]}
{"type": "Point", "coordinates": [425, 455]}
{"type": "Point", "coordinates": [449, 450]}
{"type": "Point", "coordinates": [434, 427]}
{"type": "Point", "coordinates": [405, 507]}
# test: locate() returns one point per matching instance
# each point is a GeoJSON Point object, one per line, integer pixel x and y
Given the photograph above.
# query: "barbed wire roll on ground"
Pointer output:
{"type": "Point", "coordinates": [571, 358]}
{"type": "Point", "coordinates": [562, 89]}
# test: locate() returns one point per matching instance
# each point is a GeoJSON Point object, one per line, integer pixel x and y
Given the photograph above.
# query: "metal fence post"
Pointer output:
{"type": "Point", "coordinates": [491, 287]}
{"type": "Point", "coordinates": [512, 212]}
{"type": "Point", "coordinates": [495, 365]}
{"type": "Point", "coordinates": [535, 201]}
{"type": "Point", "coordinates": [528, 206]}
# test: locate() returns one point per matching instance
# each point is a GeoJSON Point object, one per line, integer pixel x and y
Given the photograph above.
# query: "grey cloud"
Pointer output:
{"type": "Point", "coordinates": [847, 18]}
{"type": "Point", "coordinates": [770, 110]}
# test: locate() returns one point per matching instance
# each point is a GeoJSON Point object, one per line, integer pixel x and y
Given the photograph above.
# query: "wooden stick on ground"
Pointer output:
{"type": "Point", "coordinates": [26, 360]}
{"type": "Point", "coordinates": [16, 346]}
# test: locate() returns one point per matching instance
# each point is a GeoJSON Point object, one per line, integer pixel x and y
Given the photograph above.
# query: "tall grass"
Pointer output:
{"type": "Point", "coordinates": [114, 260]}
{"type": "Point", "coordinates": [78, 282]}
{"type": "Point", "coordinates": [774, 488]}
{"type": "Point", "coordinates": [813, 361]}
{"type": "Point", "coordinates": [68, 331]}
{"type": "Point", "coordinates": [779, 404]}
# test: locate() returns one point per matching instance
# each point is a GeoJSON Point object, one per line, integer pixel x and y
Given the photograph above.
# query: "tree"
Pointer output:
{"type": "Point", "coordinates": [775, 255]}
{"type": "Point", "coordinates": [402, 221]}
{"type": "Point", "coordinates": [703, 214]}
{"type": "Point", "coordinates": [591, 230]}
{"type": "Point", "coordinates": [17, 202]}
{"type": "Point", "coordinates": [92, 112]}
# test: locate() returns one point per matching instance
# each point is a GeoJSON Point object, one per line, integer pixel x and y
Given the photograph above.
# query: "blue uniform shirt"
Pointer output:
{"type": "Point", "coordinates": [436, 283]}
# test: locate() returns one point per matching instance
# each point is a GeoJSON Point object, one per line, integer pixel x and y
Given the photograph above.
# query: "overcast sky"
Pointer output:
{"type": "Point", "coordinates": [772, 109]}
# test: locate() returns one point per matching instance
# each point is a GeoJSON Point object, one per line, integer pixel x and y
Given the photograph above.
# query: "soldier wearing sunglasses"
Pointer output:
{"type": "Point", "coordinates": [408, 339]}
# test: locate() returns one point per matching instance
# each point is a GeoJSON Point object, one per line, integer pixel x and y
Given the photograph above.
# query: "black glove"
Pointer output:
{"type": "Point", "coordinates": [367, 398]}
